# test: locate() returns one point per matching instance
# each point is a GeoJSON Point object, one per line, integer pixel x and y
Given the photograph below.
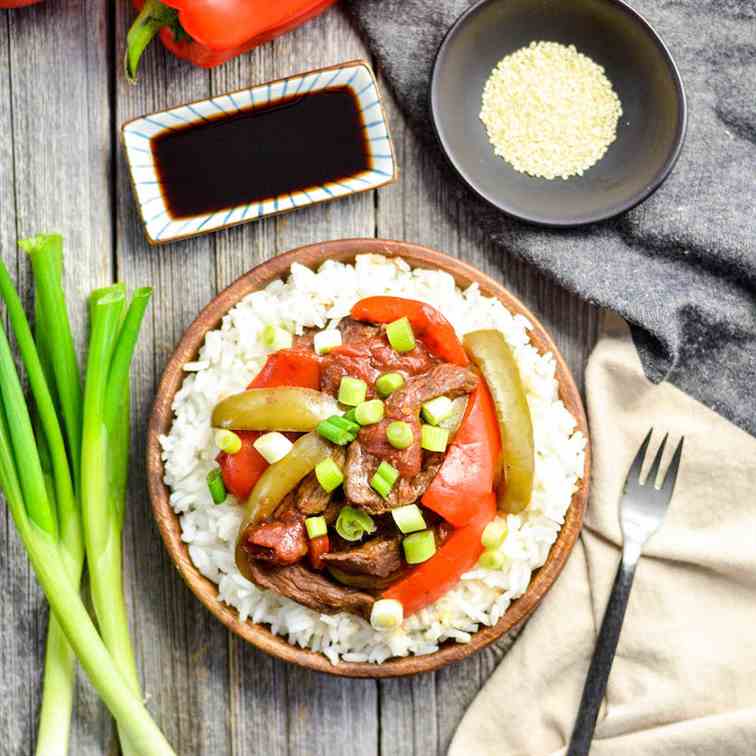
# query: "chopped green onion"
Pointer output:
{"type": "Point", "coordinates": [215, 486]}
{"type": "Point", "coordinates": [400, 335]}
{"type": "Point", "coordinates": [316, 526]}
{"type": "Point", "coordinates": [345, 423]}
{"type": "Point", "coordinates": [329, 475]}
{"type": "Point", "coordinates": [492, 560]}
{"type": "Point", "coordinates": [384, 479]}
{"type": "Point", "coordinates": [335, 433]}
{"type": "Point", "coordinates": [326, 340]}
{"type": "Point", "coordinates": [434, 439]}
{"type": "Point", "coordinates": [399, 434]}
{"type": "Point", "coordinates": [385, 470]}
{"type": "Point", "coordinates": [386, 614]}
{"type": "Point", "coordinates": [274, 446]}
{"type": "Point", "coordinates": [369, 413]}
{"type": "Point", "coordinates": [388, 383]}
{"type": "Point", "coordinates": [352, 524]}
{"type": "Point", "coordinates": [409, 518]}
{"type": "Point", "coordinates": [437, 409]}
{"type": "Point", "coordinates": [494, 534]}
{"type": "Point", "coordinates": [352, 391]}
{"type": "Point", "coordinates": [276, 338]}
{"type": "Point", "coordinates": [227, 441]}
{"type": "Point", "coordinates": [419, 547]}
{"type": "Point", "coordinates": [350, 416]}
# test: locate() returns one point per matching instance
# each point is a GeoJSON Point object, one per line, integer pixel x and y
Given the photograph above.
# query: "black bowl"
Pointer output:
{"type": "Point", "coordinates": [650, 131]}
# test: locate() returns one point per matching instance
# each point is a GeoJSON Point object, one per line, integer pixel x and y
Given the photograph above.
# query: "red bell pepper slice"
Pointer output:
{"type": "Point", "coordinates": [459, 553]}
{"type": "Point", "coordinates": [316, 548]}
{"type": "Point", "coordinates": [242, 470]}
{"type": "Point", "coordinates": [287, 367]}
{"type": "Point", "coordinates": [427, 322]}
{"type": "Point", "coordinates": [210, 32]}
{"type": "Point", "coordinates": [469, 468]}
{"type": "Point", "coordinates": [17, 3]}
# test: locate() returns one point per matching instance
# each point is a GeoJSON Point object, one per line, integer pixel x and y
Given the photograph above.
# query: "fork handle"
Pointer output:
{"type": "Point", "coordinates": [603, 656]}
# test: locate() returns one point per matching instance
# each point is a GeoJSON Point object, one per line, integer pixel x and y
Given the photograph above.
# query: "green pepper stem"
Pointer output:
{"type": "Point", "coordinates": [151, 19]}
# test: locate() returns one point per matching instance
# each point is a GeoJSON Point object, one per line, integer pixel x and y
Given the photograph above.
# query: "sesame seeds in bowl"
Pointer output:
{"type": "Point", "coordinates": [560, 114]}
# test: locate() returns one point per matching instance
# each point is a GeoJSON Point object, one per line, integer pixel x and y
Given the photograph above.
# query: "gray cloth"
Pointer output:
{"type": "Point", "coordinates": [681, 267]}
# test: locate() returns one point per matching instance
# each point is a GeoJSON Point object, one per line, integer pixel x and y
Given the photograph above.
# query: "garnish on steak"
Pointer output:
{"type": "Point", "coordinates": [378, 485]}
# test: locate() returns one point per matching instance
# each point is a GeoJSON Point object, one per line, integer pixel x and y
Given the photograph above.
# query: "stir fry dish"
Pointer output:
{"type": "Point", "coordinates": [372, 456]}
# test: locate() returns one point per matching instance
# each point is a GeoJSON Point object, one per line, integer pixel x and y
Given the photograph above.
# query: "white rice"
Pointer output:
{"type": "Point", "coordinates": [233, 354]}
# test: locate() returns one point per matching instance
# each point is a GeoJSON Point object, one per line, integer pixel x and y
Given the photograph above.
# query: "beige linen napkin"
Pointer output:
{"type": "Point", "coordinates": [684, 679]}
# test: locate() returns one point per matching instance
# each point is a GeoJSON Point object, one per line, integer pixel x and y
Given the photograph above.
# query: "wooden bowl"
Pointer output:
{"type": "Point", "coordinates": [162, 418]}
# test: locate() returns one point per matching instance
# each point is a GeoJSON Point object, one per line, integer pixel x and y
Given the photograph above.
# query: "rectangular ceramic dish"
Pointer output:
{"type": "Point", "coordinates": [137, 135]}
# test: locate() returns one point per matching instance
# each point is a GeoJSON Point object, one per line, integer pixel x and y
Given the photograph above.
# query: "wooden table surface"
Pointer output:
{"type": "Point", "coordinates": [62, 102]}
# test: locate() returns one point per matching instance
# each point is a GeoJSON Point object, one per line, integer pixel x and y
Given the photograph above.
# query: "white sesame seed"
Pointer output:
{"type": "Point", "coordinates": [550, 111]}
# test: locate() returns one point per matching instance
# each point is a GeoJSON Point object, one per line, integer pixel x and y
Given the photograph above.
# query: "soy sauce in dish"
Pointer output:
{"type": "Point", "coordinates": [261, 152]}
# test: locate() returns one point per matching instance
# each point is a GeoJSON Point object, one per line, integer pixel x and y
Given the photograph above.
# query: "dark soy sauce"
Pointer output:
{"type": "Point", "coordinates": [261, 153]}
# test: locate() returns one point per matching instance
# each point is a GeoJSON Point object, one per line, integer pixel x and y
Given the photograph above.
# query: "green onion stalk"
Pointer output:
{"type": "Point", "coordinates": [36, 477]}
{"type": "Point", "coordinates": [105, 437]}
{"type": "Point", "coordinates": [48, 384]}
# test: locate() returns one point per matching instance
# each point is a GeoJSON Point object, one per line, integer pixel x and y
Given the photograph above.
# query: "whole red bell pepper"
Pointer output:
{"type": "Point", "coordinates": [459, 553]}
{"type": "Point", "coordinates": [210, 32]}
{"type": "Point", "coordinates": [287, 367]}
{"type": "Point", "coordinates": [427, 322]}
{"type": "Point", "coordinates": [468, 471]}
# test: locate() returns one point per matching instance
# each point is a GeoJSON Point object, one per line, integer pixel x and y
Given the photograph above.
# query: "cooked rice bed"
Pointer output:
{"type": "Point", "coordinates": [233, 354]}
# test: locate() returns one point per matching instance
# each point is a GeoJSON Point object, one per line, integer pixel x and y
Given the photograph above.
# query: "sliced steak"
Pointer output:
{"type": "Point", "coordinates": [407, 461]}
{"type": "Point", "coordinates": [281, 541]}
{"type": "Point", "coordinates": [369, 358]}
{"type": "Point", "coordinates": [442, 380]}
{"type": "Point", "coordinates": [355, 330]}
{"type": "Point", "coordinates": [310, 589]}
{"type": "Point", "coordinates": [380, 556]}
{"type": "Point", "coordinates": [310, 497]}
{"type": "Point", "coordinates": [360, 468]}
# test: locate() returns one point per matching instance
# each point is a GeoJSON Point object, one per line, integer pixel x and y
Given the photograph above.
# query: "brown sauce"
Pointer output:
{"type": "Point", "coordinates": [260, 153]}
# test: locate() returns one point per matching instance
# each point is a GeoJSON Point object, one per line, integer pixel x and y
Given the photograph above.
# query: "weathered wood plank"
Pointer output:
{"type": "Point", "coordinates": [183, 652]}
{"type": "Point", "coordinates": [58, 97]}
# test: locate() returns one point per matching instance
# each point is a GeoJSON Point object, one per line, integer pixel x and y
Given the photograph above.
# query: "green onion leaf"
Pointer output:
{"type": "Point", "coordinates": [434, 439]}
{"type": "Point", "coordinates": [399, 434]}
{"type": "Point", "coordinates": [215, 486]}
{"type": "Point", "coordinates": [409, 518]}
{"type": "Point", "coordinates": [437, 410]}
{"type": "Point", "coordinates": [400, 335]}
{"type": "Point", "coordinates": [352, 391]}
{"type": "Point", "coordinates": [227, 441]}
{"type": "Point", "coordinates": [494, 534]}
{"type": "Point", "coordinates": [492, 560]}
{"type": "Point", "coordinates": [388, 383]}
{"type": "Point", "coordinates": [369, 413]}
{"type": "Point", "coordinates": [384, 479]}
{"type": "Point", "coordinates": [352, 524]}
{"type": "Point", "coordinates": [349, 424]}
{"type": "Point", "coordinates": [419, 547]}
{"type": "Point", "coordinates": [335, 432]}
{"type": "Point", "coordinates": [316, 527]}
{"type": "Point", "coordinates": [328, 474]}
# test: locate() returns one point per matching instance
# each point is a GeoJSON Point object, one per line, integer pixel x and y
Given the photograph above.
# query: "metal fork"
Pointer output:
{"type": "Point", "coordinates": [642, 510]}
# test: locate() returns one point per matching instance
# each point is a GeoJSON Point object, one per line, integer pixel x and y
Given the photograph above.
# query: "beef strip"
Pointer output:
{"type": "Point", "coordinates": [407, 461]}
{"type": "Point", "coordinates": [380, 556]}
{"type": "Point", "coordinates": [361, 466]}
{"type": "Point", "coordinates": [310, 589]}
{"type": "Point", "coordinates": [442, 380]}
{"type": "Point", "coordinates": [281, 541]}
{"type": "Point", "coordinates": [355, 330]}
{"type": "Point", "coordinates": [367, 358]}
{"type": "Point", "coordinates": [310, 497]}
